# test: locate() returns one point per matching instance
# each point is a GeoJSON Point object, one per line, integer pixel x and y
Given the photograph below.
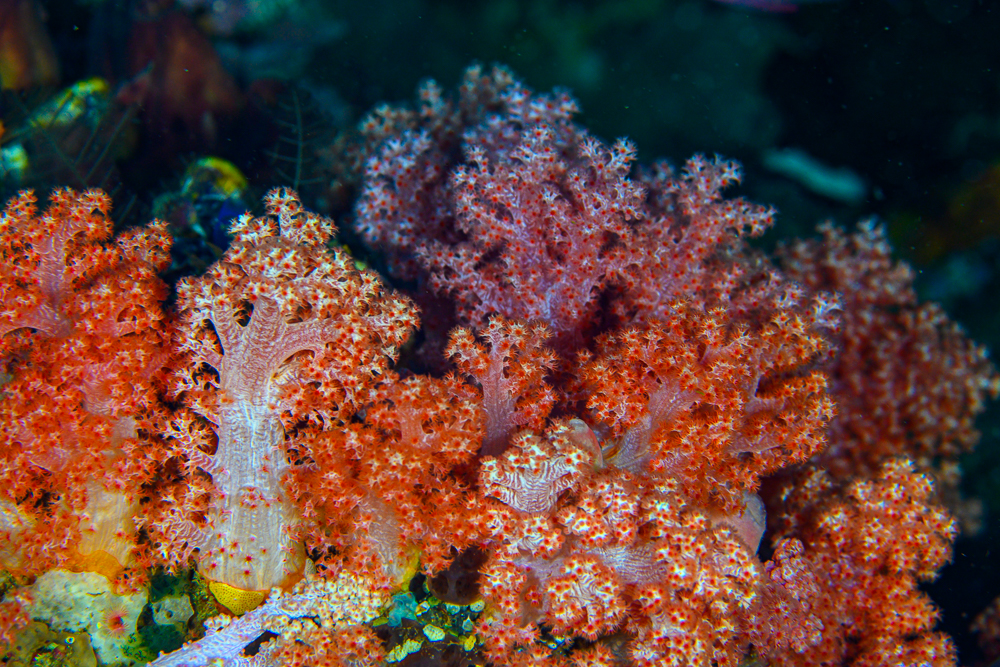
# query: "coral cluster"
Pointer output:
{"type": "Point", "coordinates": [86, 342]}
{"type": "Point", "coordinates": [279, 333]}
{"type": "Point", "coordinates": [622, 373]}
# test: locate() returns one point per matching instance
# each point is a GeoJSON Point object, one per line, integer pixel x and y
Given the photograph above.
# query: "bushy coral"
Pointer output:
{"type": "Point", "coordinates": [628, 373]}
{"type": "Point", "coordinates": [280, 333]}
{"type": "Point", "coordinates": [86, 343]}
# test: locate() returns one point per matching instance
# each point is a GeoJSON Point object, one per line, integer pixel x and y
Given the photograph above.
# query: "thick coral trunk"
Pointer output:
{"type": "Point", "coordinates": [252, 545]}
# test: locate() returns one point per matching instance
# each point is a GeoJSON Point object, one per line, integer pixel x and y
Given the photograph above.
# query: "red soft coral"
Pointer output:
{"type": "Point", "coordinates": [699, 398]}
{"type": "Point", "coordinates": [907, 379]}
{"type": "Point", "coordinates": [83, 403]}
{"type": "Point", "coordinates": [509, 367]}
{"type": "Point", "coordinates": [849, 561]}
{"type": "Point", "coordinates": [283, 336]}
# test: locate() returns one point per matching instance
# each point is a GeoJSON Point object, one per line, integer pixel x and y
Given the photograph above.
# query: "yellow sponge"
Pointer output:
{"type": "Point", "coordinates": [234, 599]}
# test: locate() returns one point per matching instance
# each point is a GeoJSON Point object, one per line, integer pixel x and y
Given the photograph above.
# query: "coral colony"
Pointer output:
{"type": "Point", "coordinates": [609, 372]}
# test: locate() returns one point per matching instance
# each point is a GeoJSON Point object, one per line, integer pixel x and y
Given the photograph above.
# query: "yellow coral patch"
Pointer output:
{"type": "Point", "coordinates": [99, 561]}
{"type": "Point", "coordinates": [400, 651]}
{"type": "Point", "coordinates": [406, 570]}
{"type": "Point", "coordinates": [235, 599]}
{"type": "Point", "coordinates": [434, 633]}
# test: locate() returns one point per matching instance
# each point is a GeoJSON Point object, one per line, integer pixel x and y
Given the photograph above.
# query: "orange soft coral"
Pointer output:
{"type": "Point", "coordinates": [843, 584]}
{"type": "Point", "coordinates": [647, 523]}
{"type": "Point", "coordinates": [508, 362]}
{"type": "Point", "coordinates": [86, 341]}
{"type": "Point", "coordinates": [390, 485]}
{"type": "Point", "coordinates": [699, 398]}
{"type": "Point", "coordinates": [589, 551]}
{"type": "Point", "coordinates": [284, 338]}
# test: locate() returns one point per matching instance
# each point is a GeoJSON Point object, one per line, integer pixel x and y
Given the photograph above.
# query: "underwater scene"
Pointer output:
{"type": "Point", "coordinates": [512, 333]}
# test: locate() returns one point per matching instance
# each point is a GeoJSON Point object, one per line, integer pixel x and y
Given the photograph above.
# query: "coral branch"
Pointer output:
{"type": "Point", "coordinates": [281, 333]}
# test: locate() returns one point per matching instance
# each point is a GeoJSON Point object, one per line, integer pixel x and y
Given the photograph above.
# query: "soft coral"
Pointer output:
{"type": "Point", "coordinates": [86, 341]}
